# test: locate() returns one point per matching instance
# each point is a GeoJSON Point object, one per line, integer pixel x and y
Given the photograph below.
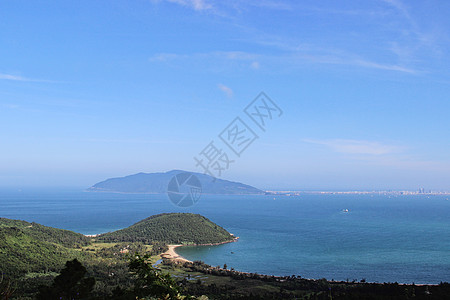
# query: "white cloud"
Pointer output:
{"type": "Point", "coordinates": [221, 7]}
{"type": "Point", "coordinates": [229, 55]}
{"type": "Point", "coordinates": [407, 50]}
{"type": "Point", "coordinates": [228, 91]}
{"type": "Point", "coordinates": [11, 106]}
{"type": "Point", "coordinates": [13, 77]}
{"type": "Point", "coordinates": [374, 65]}
{"type": "Point", "coordinates": [422, 37]}
{"type": "Point", "coordinates": [216, 56]}
{"type": "Point", "coordinates": [166, 56]}
{"type": "Point", "coordinates": [307, 53]}
{"type": "Point", "coordinates": [398, 5]}
{"type": "Point", "coordinates": [356, 146]}
{"type": "Point", "coordinates": [195, 4]}
{"type": "Point", "coordinates": [235, 55]}
{"type": "Point", "coordinates": [255, 65]}
{"type": "Point", "coordinates": [21, 78]}
{"type": "Point", "coordinates": [300, 56]}
{"type": "Point", "coordinates": [267, 4]}
{"type": "Point", "coordinates": [348, 59]}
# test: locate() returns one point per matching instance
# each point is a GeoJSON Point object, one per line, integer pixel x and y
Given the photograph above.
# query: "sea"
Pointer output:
{"type": "Point", "coordinates": [382, 238]}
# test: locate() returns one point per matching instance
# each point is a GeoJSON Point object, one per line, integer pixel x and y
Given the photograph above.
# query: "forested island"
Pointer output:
{"type": "Point", "coordinates": [40, 262]}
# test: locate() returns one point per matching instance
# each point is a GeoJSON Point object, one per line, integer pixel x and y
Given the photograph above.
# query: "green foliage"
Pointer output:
{"type": "Point", "coordinates": [21, 252]}
{"type": "Point", "coordinates": [70, 284]}
{"type": "Point", "coordinates": [174, 228]}
{"type": "Point", "coordinates": [150, 282]}
{"type": "Point", "coordinates": [147, 283]}
{"type": "Point", "coordinates": [44, 233]}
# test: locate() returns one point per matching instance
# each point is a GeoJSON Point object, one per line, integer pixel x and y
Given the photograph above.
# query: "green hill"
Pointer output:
{"type": "Point", "coordinates": [30, 247]}
{"type": "Point", "coordinates": [48, 234]}
{"type": "Point", "coordinates": [22, 252]}
{"type": "Point", "coordinates": [32, 254]}
{"type": "Point", "coordinates": [173, 228]}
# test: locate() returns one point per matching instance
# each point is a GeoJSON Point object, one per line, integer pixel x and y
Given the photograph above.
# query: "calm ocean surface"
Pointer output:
{"type": "Point", "coordinates": [404, 238]}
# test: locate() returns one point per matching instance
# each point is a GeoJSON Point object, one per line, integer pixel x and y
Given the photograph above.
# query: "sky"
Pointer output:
{"type": "Point", "coordinates": [96, 89]}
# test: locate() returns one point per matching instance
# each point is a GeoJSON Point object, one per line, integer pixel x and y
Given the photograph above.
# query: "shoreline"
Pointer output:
{"type": "Point", "coordinates": [283, 278]}
{"type": "Point", "coordinates": [172, 255]}
{"type": "Point", "coordinates": [98, 190]}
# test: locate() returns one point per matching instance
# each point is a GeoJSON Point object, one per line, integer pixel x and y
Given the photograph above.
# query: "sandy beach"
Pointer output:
{"type": "Point", "coordinates": [172, 255]}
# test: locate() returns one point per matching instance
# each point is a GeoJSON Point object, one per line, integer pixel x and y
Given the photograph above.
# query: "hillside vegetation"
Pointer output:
{"type": "Point", "coordinates": [32, 254]}
{"type": "Point", "coordinates": [22, 252]}
{"type": "Point", "coordinates": [174, 228]}
{"type": "Point", "coordinates": [30, 247]}
{"type": "Point", "coordinates": [48, 234]}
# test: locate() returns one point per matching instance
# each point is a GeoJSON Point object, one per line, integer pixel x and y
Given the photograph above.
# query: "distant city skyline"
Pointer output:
{"type": "Point", "coordinates": [94, 90]}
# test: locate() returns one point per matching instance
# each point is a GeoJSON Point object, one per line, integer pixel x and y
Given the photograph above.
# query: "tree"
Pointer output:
{"type": "Point", "coordinates": [6, 289]}
{"type": "Point", "coordinates": [70, 284]}
{"type": "Point", "coordinates": [151, 282]}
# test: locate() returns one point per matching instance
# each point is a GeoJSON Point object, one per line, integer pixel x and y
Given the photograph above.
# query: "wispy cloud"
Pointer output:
{"type": "Point", "coordinates": [228, 91]}
{"type": "Point", "coordinates": [132, 141]}
{"type": "Point", "coordinates": [401, 51]}
{"type": "Point", "coordinates": [219, 7]}
{"type": "Point", "coordinates": [13, 77]}
{"type": "Point", "coordinates": [418, 36]}
{"type": "Point", "coordinates": [217, 56]}
{"type": "Point", "coordinates": [10, 106]}
{"type": "Point", "coordinates": [255, 65]}
{"type": "Point", "coordinates": [401, 8]}
{"type": "Point", "coordinates": [356, 146]}
{"type": "Point", "coordinates": [232, 55]}
{"type": "Point", "coordinates": [388, 67]}
{"type": "Point", "coordinates": [166, 57]}
{"type": "Point", "coordinates": [268, 4]}
{"type": "Point", "coordinates": [294, 52]}
{"type": "Point", "coordinates": [195, 4]}
{"type": "Point", "coordinates": [292, 58]}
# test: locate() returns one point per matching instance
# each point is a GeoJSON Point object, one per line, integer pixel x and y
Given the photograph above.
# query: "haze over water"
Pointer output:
{"type": "Point", "coordinates": [381, 238]}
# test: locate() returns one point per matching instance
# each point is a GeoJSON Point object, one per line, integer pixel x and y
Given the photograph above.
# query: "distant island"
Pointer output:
{"type": "Point", "coordinates": [156, 183]}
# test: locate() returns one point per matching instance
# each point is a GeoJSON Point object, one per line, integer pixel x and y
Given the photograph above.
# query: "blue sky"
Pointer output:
{"type": "Point", "coordinates": [98, 89]}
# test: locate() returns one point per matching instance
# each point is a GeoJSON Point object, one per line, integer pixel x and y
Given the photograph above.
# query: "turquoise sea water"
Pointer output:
{"type": "Point", "coordinates": [381, 238]}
